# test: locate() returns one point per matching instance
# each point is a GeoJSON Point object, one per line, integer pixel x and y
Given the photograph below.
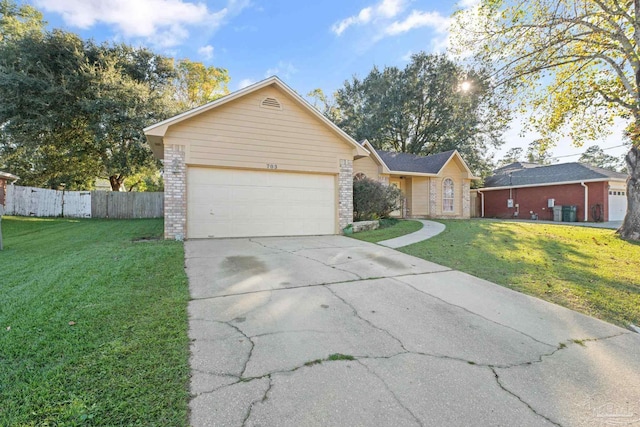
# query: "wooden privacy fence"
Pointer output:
{"type": "Point", "coordinates": [41, 202]}
{"type": "Point", "coordinates": [113, 204]}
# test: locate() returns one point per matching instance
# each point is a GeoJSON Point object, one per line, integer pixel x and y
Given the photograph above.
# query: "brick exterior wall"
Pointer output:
{"type": "Point", "coordinates": [466, 199]}
{"type": "Point", "coordinates": [535, 199]}
{"type": "Point", "coordinates": [345, 192]}
{"type": "Point", "coordinates": [433, 197]}
{"type": "Point", "coordinates": [175, 197]}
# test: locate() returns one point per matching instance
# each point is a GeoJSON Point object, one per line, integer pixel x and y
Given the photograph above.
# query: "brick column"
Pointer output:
{"type": "Point", "coordinates": [175, 197]}
{"type": "Point", "coordinates": [466, 199]}
{"type": "Point", "coordinates": [345, 191]}
{"type": "Point", "coordinates": [433, 197]}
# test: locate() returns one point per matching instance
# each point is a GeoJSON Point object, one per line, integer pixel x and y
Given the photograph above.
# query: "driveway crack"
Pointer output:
{"type": "Point", "coordinates": [497, 377]}
{"type": "Point", "coordinates": [395, 397]}
{"type": "Point", "coordinates": [473, 313]}
{"type": "Point", "coordinates": [355, 312]}
{"type": "Point", "coordinates": [253, 403]}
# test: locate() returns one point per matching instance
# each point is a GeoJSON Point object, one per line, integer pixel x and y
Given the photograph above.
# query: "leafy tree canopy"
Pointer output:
{"type": "Point", "coordinates": [574, 64]}
{"type": "Point", "coordinates": [73, 110]}
{"type": "Point", "coordinates": [596, 156]}
{"type": "Point", "coordinates": [430, 106]}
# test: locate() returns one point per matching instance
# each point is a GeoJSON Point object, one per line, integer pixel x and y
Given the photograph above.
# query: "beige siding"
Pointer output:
{"type": "Point", "coordinates": [419, 197]}
{"type": "Point", "coordinates": [242, 134]}
{"type": "Point", "coordinates": [456, 172]}
{"type": "Point", "coordinates": [367, 166]}
{"type": "Point", "coordinates": [408, 194]}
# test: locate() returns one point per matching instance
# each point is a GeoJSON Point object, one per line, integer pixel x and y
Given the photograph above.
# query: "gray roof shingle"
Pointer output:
{"type": "Point", "coordinates": [407, 162]}
{"type": "Point", "coordinates": [519, 174]}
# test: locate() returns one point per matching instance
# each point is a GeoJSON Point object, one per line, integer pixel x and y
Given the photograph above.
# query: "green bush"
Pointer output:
{"type": "Point", "coordinates": [373, 200]}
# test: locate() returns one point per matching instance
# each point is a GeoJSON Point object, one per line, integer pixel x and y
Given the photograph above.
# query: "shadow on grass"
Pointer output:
{"type": "Point", "coordinates": [588, 270]}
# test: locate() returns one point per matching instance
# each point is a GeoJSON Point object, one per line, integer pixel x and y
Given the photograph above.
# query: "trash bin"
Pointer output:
{"type": "Point", "coordinates": [570, 213]}
{"type": "Point", "coordinates": [557, 213]}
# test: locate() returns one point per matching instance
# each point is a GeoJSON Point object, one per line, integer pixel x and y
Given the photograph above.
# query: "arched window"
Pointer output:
{"type": "Point", "coordinates": [447, 195]}
{"type": "Point", "coordinates": [359, 176]}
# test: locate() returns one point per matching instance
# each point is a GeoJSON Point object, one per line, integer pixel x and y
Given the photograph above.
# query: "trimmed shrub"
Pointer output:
{"type": "Point", "coordinates": [373, 200]}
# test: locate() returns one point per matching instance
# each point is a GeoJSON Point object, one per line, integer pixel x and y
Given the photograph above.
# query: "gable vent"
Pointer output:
{"type": "Point", "coordinates": [271, 103]}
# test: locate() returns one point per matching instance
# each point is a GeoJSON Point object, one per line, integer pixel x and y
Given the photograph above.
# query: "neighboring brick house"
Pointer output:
{"type": "Point", "coordinates": [5, 179]}
{"type": "Point", "coordinates": [435, 186]}
{"type": "Point", "coordinates": [520, 190]}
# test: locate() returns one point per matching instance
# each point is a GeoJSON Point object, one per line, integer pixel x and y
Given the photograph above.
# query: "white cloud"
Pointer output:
{"type": "Point", "coordinates": [162, 22]}
{"type": "Point", "coordinates": [468, 3]}
{"type": "Point", "coordinates": [206, 51]}
{"type": "Point", "coordinates": [419, 19]}
{"type": "Point", "coordinates": [385, 9]}
{"type": "Point", "coordinates": [283, 69]}
{"type": "Point", "coordinates": [407, 56]}
{"type": "Point", "coordinates": [244, 83]}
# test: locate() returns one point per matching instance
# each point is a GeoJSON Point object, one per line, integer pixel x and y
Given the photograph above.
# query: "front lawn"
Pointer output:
{"type": "Point", "coordinates": [390, 229]}
{"type": "Point", "coordinates": [93, 324]}
{"type": "Point", "coordinates": [586, 269]}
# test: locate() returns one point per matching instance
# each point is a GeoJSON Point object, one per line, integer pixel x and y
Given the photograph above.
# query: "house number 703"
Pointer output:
{"type": "Point", "coordinates": [272, 166]}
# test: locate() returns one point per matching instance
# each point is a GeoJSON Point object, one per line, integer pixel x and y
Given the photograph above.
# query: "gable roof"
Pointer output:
{"type": "Point", "coordinates": [155, 133]}
{"type": "Point", "coordinates": [374, 155]}
{"type": "Point", "coordinates": [550, 174]}
{"type": "Point", "coordinates": [412, 164]}
{"type": "Point", "coordinates": [407, 162]}
{"type": "Point", "coordinates": [9, 177]}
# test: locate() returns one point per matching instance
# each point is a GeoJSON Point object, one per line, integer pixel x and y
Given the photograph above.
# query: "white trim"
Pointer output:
{"type": "Point", "coordinates": [453, 196]}
{"type": "Point", "coordinates": [160, 129]}
{"type": "Point", "coordinates": [455, 153]}
{"type": "Point", "coordinates": [507, 187]}
{"type": "Point", "coordinates": [372, 150]}
{"type": "Point", "coordinates": [8, 176]}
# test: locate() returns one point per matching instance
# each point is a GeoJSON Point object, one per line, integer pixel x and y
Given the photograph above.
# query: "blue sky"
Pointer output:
{"type": "Point", "coordinates": [308, 44]}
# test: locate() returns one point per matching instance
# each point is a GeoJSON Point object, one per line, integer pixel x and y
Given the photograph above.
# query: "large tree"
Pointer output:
{"type": "Point", "coordinates": [430, 106]}
{"type": "Point", "coordinates": [196, 84]}
{"type": "Point", "coordinates": [574, 64]}
{"type": "Point", "coordinates": [596, 156]}
{"type": "Point", "coordinates": [72, 110]}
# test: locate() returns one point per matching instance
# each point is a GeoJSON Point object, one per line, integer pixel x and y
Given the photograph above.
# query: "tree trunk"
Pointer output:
{"type": "Point", "coordinates": [116, 182]}
{"type": "Point", "coordinates": [630, 229]}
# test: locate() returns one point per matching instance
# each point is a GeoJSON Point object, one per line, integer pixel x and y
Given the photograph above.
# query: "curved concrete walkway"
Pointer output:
{"type": "Point", "coordinates": [428, 230]}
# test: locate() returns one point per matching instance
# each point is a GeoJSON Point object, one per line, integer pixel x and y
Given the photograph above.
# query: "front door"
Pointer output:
{"type": "Point", "coordinates": [398, 183]}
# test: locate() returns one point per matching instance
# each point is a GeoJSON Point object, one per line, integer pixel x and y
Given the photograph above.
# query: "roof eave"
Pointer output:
{"type": "Point", "coordinates": [160, 129]}
{"type": "Point", "coordinates": [546, 184]}
{"type": "Point", "coordinates": [457, 154]}
{"type": "Point", "coordinates": [9, 177]}
{"type": "Point", "coordinates": [372, 150]}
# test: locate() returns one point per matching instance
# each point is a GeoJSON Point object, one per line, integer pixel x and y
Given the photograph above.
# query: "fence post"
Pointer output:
{"type": "Point", "coordinates": [1, 213]}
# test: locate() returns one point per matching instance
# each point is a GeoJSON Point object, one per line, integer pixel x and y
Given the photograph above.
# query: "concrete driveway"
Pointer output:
{"type": "Point", "coordinates": [416, 343]}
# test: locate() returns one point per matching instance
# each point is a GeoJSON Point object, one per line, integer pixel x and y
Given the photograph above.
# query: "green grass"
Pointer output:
{"type": "Point", "coordinates": [124, 358]}
{"type": "Point", "coordinates": [586, 269]}
{"type": "Point", "coordinates": [396, 229]}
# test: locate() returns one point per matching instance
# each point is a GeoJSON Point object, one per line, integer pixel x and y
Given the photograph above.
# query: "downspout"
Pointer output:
{"type": "Point", "coordinates": [586, 201]}
{"type": "Point", "coordinates": [481, 202]}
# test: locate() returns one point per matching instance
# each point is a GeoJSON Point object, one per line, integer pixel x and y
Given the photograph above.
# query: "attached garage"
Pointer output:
{"type": "Point", "coordinates": [239, 203]}
{"type": "Point", "coordinates": [257, 162]}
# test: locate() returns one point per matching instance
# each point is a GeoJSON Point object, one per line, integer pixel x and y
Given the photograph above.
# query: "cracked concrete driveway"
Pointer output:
{"type": "Point", "coordinates": [415, 343]}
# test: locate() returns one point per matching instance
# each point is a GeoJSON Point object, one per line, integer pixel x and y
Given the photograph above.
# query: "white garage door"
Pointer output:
{"type": "Point", "coordinates": [236, 203]}
{"type": "Point", "coordinates": [617, 204]}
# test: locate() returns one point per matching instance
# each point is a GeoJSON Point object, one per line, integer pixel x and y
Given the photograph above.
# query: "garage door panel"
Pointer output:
{"type": "Point", "coordinates": [235, 203]}
{"type": "Point", "coordinates": [617, 204]}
